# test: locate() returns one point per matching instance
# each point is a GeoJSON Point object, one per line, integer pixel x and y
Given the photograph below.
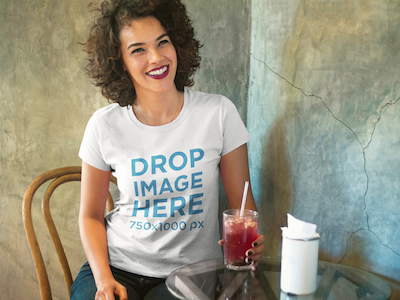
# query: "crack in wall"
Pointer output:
{"type": "Point", "coordinates": [363, 150]}
{"type": "Point", "coordinates": [365, 161]}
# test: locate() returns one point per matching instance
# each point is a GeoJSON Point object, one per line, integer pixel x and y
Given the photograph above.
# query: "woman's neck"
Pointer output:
{"type": "Point", "coordinates": [159, 108]}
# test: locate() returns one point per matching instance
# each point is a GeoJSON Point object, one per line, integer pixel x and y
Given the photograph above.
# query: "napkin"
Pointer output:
{"type": "Point", "coordinates": [298, 229]}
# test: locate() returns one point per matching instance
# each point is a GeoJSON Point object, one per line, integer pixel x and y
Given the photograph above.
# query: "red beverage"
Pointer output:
{"type": "Point", "coordinates": [238, 234]}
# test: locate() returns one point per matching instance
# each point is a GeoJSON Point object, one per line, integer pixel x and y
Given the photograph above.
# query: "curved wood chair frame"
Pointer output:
{"type": "Point", "coordinates": [60, 176]}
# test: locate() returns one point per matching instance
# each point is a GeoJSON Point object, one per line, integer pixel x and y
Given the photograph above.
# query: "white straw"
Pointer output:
{"type": "Point", "coordinates": [246, 186]}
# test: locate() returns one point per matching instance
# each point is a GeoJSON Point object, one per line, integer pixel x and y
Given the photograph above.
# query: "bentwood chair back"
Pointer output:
{"type": "Point", "coordinates": [59, 176]}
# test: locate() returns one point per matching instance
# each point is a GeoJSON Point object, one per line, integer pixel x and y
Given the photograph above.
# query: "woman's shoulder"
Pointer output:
{"type": "Point", "coordinates": [198, 98]}
{"type": "Point", "coordinates": [108, 112]}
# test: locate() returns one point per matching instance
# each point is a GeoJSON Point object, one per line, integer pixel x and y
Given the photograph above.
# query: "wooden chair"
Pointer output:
{"type": "Point", "coordinates": [60, 176]}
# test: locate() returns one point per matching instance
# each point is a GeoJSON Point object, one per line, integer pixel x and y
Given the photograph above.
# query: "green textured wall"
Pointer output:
{"type": "Point", "coordinates": [323, 113]}
{"type": "Point", "coordinates": [46, 100]}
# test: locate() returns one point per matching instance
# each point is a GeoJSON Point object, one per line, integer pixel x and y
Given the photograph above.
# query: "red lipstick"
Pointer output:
{"type": "Point", "coordinates": [159, 73]}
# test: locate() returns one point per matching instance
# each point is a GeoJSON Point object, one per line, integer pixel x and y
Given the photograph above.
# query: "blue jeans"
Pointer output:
{"type": "Point", "coordinates": [138, 287]}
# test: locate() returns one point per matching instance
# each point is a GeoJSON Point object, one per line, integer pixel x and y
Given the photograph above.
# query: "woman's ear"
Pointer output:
{"type": "Point", "coordinates": [123, 67]}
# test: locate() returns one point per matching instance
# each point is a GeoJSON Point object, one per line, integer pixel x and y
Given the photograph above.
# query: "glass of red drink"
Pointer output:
{"type": "Point", "coordinates": [238, 232]}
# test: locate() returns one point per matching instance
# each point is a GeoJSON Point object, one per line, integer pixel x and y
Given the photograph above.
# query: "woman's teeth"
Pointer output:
{"type": "Point", "coordinates": [158, 72]}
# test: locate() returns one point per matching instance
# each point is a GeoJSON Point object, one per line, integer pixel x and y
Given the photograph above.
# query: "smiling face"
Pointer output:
{"type": "Point", "coordinates": [148, 56]}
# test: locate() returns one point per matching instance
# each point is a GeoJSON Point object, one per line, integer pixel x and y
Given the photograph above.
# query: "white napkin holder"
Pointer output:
{"type": "Point", "coordinates": [299, 264]}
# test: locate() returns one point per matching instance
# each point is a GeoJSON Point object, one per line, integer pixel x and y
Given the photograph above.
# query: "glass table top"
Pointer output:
{"type": "Point", "coordinates": [210, 280]}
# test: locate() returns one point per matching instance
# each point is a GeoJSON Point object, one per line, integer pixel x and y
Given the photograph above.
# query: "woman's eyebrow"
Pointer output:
{"type": "Point", "coordinates": [140, 44]}
{"type": "Point", "coordinates": [135, 45]}
{"type": "Point", "coordinates": [161, 36]}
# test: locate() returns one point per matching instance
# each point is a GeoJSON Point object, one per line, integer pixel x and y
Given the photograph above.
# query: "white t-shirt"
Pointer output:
{"type": "Point", "coordinates": [168, 179]}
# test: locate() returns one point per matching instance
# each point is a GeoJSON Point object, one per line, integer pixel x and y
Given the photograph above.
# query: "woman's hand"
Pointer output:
{"type": "Point", "coordinates": [255, 253]}
{"type": "Point", "coordinates": [107, 290]}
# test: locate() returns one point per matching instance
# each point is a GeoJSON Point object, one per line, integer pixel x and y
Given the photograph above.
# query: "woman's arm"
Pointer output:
{"type": "Point", "coordinates": [234, 168]}
{"type": "Point", "coordinates": [94, 192]}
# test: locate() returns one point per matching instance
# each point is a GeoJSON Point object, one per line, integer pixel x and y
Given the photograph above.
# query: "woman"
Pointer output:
{"type": "Point", "coordinates": [165, 144]}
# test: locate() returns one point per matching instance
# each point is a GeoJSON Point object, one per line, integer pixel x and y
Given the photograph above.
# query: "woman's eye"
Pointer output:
{"type": "Point", "coordinates": [163, 42]}
{"type": "Point", "coordinates": [137, 50]}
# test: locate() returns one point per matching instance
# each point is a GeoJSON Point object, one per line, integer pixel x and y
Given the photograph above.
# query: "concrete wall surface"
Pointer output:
{"type": "Point", "coordinates": [46, 100]}
{"type": "Point", "coordinates": [324, 116]}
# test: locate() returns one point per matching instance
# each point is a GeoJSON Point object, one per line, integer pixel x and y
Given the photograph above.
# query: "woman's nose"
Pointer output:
{"type": "Point", "coordinates": [154, 56]}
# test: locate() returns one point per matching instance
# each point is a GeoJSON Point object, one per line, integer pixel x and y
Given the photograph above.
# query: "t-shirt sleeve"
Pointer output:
{"type": "Point", "coordinates": [235, 133]}
{"type": "Point", "coordinates": [90, 150]}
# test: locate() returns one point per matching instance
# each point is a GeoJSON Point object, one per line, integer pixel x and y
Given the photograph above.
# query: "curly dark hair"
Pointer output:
{"type": "Point", "coordinates": [105, 66]}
